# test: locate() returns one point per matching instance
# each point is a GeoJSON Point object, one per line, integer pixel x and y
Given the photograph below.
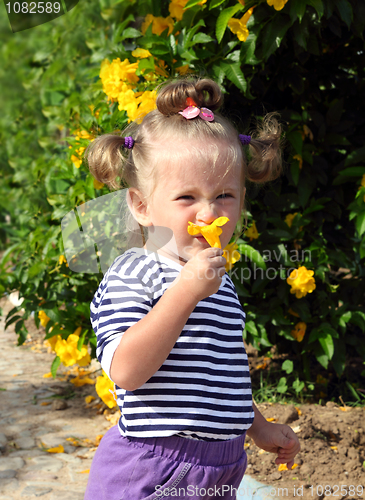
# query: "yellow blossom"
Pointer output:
{"type": "Point", "coordinates": [176, 8]}
{"type": "Point", "coordinates": [300, 160]}
{"type": "Point", "coordinates": [231, 255]}
{"type": "Point", "coordinates": [252, 232]}
{"type": "Point", "coordinates": [299, 331]}
{"type": "Point", "coordinates": [97, 184]}
{"type": "Point", "coordinates": [105, 390]}
{"type": "Point", "coordinates": [43, 318]}
{"type": "Point", "coordinates": [117, 75]}
{"type": "Point", "coordinates": [363, 181]}
{"type": "Point", "coordinates": [277, 4]}
{"type": "Point", "coordinates": [89, 399]}
{"type": "Point", "coordinates": [77, 160]}
{"type": "Point", "coordinates": [62, 259]}
{"type": "Point", "coordinates": [289, 219]}
{"type": "Point", "coordinates": [52, 341]}
{"type": "Point", "coordinates": [137, 104]}
{"type": "Point", "coordinates": [301, 281]}
{"type": "Point", "coordinates": [211, 233]}
{"type": "Point", "coordinates": [159, 24]}
{"type": "Point", "coordinates": [141, 53]}
{"type": "Point", "coordinates": [238, 26]}
{"type": "Point", "coordinates": [182, 70]}
{"type": "Point", "coordinates": [68, 352]}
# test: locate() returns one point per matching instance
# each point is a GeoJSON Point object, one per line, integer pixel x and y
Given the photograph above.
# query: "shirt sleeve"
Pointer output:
{"type": "Point", "coordinates": [119, 303]}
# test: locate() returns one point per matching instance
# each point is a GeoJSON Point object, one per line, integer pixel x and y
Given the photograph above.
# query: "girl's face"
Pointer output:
{"type": "Point", "coordinates": [186, 192]}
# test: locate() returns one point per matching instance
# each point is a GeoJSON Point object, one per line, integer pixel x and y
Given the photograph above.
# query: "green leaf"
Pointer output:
{"type": "Point", "coordinates": [223, 19]}
{"type": "Point", "coordinates": [353, 171]}
{"type": "Point", "coordinates": [215, 3]}
{"type": "Point", "coordinates": [192, 3]}
{"type": "Point", "coordinates": [251, 327]}
{"type": "Point", "coordinates": [54, 367]}
{"type": "Point", "coordinates": [345, 10]}
{"type": "Point", "coordinates": [298, 385]}
{"type": "Point", "coordinates": [298, 8]}
{"type": "Point", "coordinates": [327, 345]}
{"type": "Point", "coordinates": [318, 5]}
{"type": "Point", "coordinates": [282, 387]}
{"type": "Point", "coordinates": [360, 223]}
{"type": "Point", "coordinates": [202, 38]}
{"type": "Point", "coordinates": [274, 34]}
{"type": "Point", "coordinates": [357, 156]}
{"type": "Point", "coordinates": [251, 253]}
{"type": "Point", "coordinates": [130, 33]}
{"type": "Point", "coordinates": [288, 366]}
{"type": "Point", "coordinates": [358, 319]}
{"type": "Point", "coordinates": [234, 74]}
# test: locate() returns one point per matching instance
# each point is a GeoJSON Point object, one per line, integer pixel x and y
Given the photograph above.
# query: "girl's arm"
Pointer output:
{"type": "Point", "coordinates": [276, 438]}
{"type": "Point", "coordinates": [146, 345]}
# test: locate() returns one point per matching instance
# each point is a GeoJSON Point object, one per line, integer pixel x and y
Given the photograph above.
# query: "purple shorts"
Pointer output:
{"type": "Point", "coordinates": [167, 468]}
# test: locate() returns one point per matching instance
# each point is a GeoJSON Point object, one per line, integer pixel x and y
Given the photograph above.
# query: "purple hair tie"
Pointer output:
{"type": "Point", "coordinates": [128, 142]}
{"type": "Point", "coordinates": [245, 139]}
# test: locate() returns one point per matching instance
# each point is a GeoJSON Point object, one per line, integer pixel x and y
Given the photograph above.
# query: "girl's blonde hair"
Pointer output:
{"type": "Point", "coordinates": [160, 130]}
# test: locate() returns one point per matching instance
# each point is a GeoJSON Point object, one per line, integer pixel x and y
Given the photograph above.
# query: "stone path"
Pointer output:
{"type": "Point", "coordinates": [35, 415]}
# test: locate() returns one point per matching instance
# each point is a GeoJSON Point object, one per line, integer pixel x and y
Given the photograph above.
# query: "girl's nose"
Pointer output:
{"type": "Point", "coordinates": [207, 214]}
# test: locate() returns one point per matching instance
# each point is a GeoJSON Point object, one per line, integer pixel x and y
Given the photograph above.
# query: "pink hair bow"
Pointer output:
{"type": "Point", "coordinates": [192, 111]}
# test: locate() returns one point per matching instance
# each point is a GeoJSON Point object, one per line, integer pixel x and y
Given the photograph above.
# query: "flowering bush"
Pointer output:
{"type": "Point", "coordinates": [95, 69]}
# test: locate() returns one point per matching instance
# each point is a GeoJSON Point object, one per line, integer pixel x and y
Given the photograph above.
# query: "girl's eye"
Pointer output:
{"type": "Point", "coordinates": [225, 195]}
{"type": "Point", "coordinates": [185, 197]}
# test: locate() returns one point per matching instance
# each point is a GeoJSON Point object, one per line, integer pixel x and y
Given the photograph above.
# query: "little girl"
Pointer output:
{"type": "Point", "coordinates": [167, 316]}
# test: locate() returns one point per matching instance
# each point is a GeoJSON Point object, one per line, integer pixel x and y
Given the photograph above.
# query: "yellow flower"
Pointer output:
{"type": "Point", "coordinates": [52, 341]}
{"type": "Point", "coordinates": [301, 281]}
{"type": "Point", "coordinates": [299, 331]}
{"type": "Point", "coordinates": [231, 255]}
{"type": "Point", "coordinates": [77, 160]}
{"type": "Point", "coordinates": [116, 75]}
{"type": "Point", "coordinates": [289, 219]}
{"type": "Point", "coordinates": [43, 318]}
{"type": "Point", "coordinates": [141, 53]}
{"type": "Point", "coordinates": [159, 24]}
{"type": "Point", "coordinates": [363, 181]}
{"type": "Point", "coordinates": [79, 381]}
{"type": "Point", "coordinates": [105, 390]}
{"type": "Point", "coordinates": [182, 70]}
{"type": "Point", "coordinates": [62, 259]}
{"type": "Point", "coordinates": [68, 352]}
{"type": "Point", "coordinates": [277, 4]}
{"type": "Point", "coordinates": [176, 8]}
{"type": "Point", "coordinates": [211, 233]}
{"type": "Point", "coordinates": [252, 232]}
{"type": "Point", "coordinates": [97, 184]}
{"type": "Point", "coordinates": [300, 160]}
{"type": "Point", "coordinates": [137, 104]}
{"type": "Point", "coordinates": [238, 26]}
{"type": "Point", "coordinates": [89, 399]}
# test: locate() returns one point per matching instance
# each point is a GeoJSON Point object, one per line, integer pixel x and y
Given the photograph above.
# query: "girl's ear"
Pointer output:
{"type": "Point", "coordinates": [138, 206]}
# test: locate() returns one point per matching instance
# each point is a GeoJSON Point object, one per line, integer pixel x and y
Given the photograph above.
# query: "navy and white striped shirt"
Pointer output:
{"type": "Point", "coordinates": [203, 389]}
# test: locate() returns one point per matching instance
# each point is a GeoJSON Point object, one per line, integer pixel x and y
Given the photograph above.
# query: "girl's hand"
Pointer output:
{"type": "Point", "coordinates": [279, 439]}
{"type": "Point", "coordinates": [203, 273]}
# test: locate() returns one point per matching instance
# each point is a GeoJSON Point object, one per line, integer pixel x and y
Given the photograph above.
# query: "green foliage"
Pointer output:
{"type": "Point", "coordinates": [305, 61]}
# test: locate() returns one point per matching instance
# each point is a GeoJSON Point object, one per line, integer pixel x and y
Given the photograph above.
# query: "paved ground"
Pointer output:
{"type": "Point", "coordinates": [33, 417]}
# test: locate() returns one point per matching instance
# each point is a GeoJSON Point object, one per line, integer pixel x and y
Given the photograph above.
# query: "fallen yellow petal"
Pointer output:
{"type": "Point", "coordinates": [56, 449]}
{"type": "Point", "coordinates": [84, 471]}
{"type": "Point", "coordinates": [88, 399]}
{"type": "Point", "coordinates": [282, 467]}
{"type": "Point", "coordinates": [47, 375]}
{"type": "Point", "coordinates": [271, 419]}
{"type": "Point", "coordinates": [45, 403]}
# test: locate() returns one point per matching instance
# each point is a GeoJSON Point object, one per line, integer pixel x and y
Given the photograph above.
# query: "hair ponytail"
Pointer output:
{"type": "Point", "coordinates": [106, 160]}
{"type": "Point", "coordinates": [265, 149]}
